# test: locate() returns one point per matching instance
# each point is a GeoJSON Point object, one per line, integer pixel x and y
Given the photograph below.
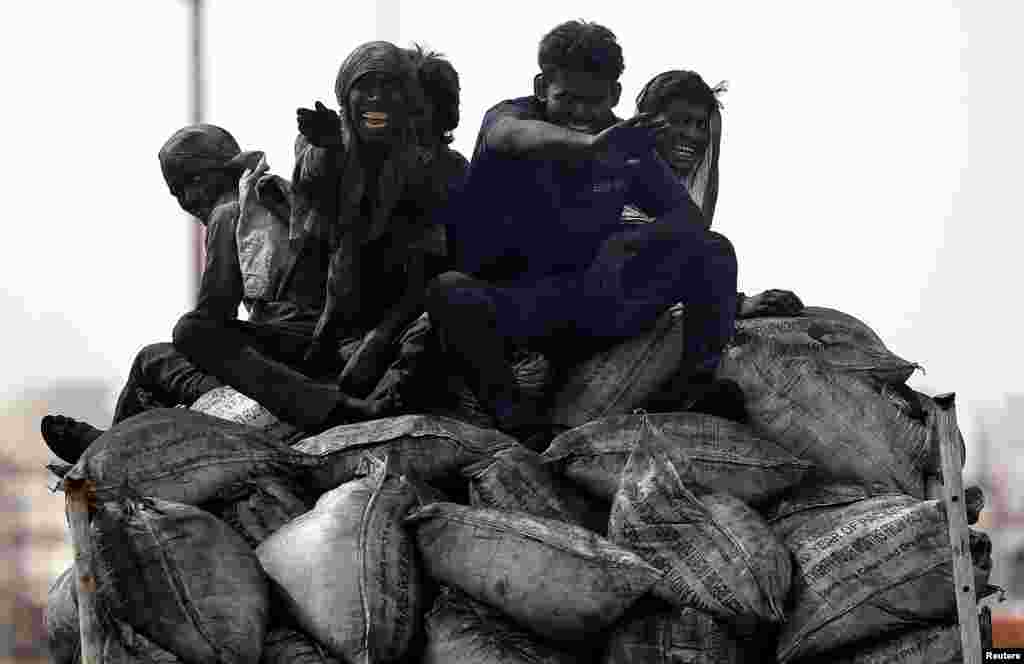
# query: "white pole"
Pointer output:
{"type": "Point", "coordinates": [196, 115]}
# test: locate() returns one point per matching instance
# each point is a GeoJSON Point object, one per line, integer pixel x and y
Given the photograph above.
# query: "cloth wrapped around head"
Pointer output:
{"type": "Point", "coordinates": [384, 58]}
{"type": "Point", "coordinates": [377, 57]}
{"type": "Point", "coordinates": [336, 210]}
{"type": "Point", "coordinates": [198, 148]}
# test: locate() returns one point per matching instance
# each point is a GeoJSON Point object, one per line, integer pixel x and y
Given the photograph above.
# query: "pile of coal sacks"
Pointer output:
{"type": "Point", "coordinates": [806, 533]}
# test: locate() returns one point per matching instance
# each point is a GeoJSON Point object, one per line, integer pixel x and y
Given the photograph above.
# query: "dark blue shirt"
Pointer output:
{"type": "Point", "coordinates": [522, 218]}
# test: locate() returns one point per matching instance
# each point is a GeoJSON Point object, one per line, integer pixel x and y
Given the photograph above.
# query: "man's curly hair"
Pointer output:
{"type": "Point", "coordinates": [583, 47]}
{"type": "Point", "coordinates": [440, 83]}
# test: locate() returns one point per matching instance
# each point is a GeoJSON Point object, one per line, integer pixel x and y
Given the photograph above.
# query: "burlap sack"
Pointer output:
{"type": "Point", "coordinates": [622, 378]}
{"type": "Point", "coordinates": [875, 567]}
{"type": "Point", "coordinates": [427, 446]}
{"type": "Point", "coordinates": [285, 645]}
{"type": "Point", "coordinates": [461, 630]}
{"type": "Point", "coordinates": [838, 340]}
{"type": "Point", "coordinates": [562, 581]}
{"type": "Point", "coordinates": [229, 404]}
{"type": "Point", "coordinates": [123, 645]}
{"type": "Point", "coordinates": [714, 553]}
{"type": "Point", "coordinates": [270, 504]}
{"type": "Point", "coordinates": [712, 452]}
{"type": "Point", "coordinates": [936, 644]}
{"type": "Point", "coordinates": [346, 569]}
{"type": "Point", "coordinates": [181, 578]}
{"type": "Point", "coordinates": [810, 499]}
{"type": "Point", "coordinates": [63, 633]}
{"type": "Point", "coordinates": [187, 457]}
{"type": "Point", "coordinates": [836, 420]}
{"type": "Point", "coordinates": [653, 632]}
{"type": "Point", "coordinates": [516, 479]}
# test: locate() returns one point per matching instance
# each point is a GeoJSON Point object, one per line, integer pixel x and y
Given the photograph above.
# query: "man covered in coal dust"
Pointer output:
{"type": "Point", "coordinates": [364, 189]}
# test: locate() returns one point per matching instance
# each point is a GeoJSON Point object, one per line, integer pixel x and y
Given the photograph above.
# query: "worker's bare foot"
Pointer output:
{"type": "Point", "coordinates": [67, 437]}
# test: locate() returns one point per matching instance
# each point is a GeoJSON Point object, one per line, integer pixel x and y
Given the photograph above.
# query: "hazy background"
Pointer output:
{"type": "Point", "coordinates": [870, 163]}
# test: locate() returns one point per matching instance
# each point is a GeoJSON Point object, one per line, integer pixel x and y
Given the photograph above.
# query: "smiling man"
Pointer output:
{"type": "Point", "coordinates": [364, 192]}
{"type": "Point", "coordinates": [548, 181]}
{"type": "Point", "coordinates": [248, 258]}
{"type": "Point", "coordinates": [691, 146]}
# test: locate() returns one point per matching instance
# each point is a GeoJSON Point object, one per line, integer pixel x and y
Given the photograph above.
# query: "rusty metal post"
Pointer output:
{"type": "Point", "coordinates": [80, 506]}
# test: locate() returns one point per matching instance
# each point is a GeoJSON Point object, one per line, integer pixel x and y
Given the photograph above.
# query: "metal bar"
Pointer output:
{"type": "Point", "coordinates": [959, 536]}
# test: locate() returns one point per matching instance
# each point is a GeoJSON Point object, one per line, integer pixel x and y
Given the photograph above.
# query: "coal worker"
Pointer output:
{"type": "Point", "coordinates": [202, 165]}
{"type": "Point", "coordinates": [413, 368]}
{"type": "Point", "coordinates": [251, 260]}
{"type": "Point", "coordinates": [692, 147]}
{"type": "Point", "coordinates": [548, 181]}
{"type": "Point", "coordinates": [366, 184]}
{"type": "Point", "coordinates": [440, 117]}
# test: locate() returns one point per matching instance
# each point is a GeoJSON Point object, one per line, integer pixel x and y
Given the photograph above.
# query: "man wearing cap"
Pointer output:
{"type": "Point", "coordinates": [196, 162]}
{"type": "Point", "coordinates": [248, 261]}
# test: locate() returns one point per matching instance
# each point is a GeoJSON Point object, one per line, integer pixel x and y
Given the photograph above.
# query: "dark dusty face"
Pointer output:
{"type": "Point", "coordinates": [197, 193]}
{"type": "Point", "coordinates": [687, 139]}
{"type": "Point", "coordinates": [377, 107]}
{"type": "Point", "coordinates": [578, 100]}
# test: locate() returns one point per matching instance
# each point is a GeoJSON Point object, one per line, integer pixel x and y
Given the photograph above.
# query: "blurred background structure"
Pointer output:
{"type": "Point", "coordinates": [871, 155]}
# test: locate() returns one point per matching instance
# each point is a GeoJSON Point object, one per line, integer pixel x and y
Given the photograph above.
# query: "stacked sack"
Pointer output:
{"type": "Point", "coordinates": [805, 534]}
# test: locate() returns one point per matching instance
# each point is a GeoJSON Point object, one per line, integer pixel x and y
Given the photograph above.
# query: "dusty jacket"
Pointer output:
{"type": "Point", "coordinates": [250, 260]}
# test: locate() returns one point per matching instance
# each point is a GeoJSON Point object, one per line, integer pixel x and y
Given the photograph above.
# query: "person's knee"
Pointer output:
{"type": "Point", "coordinates": [448, 280]}
{"type": "Point", "coordinates": [150, 354]}
{"type": "Point", "coordinates": [721, 244]}
{"type": "Point", "coordinates": [188, 331]}
{"type": "Point", "coordinates": [448, 290]}
{"type": "Point", "coordinates": [722, 252]}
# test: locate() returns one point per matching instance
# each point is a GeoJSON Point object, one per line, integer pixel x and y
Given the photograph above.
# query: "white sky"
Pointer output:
{"type": "Point", "coordinates": [870, 155]}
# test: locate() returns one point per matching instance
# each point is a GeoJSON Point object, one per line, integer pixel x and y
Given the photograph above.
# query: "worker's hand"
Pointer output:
{"type": "Point", "coordinates": [321, 126]}
{"type": "Point", "coordinates": [773, 302]}
{"type": "Point", "coordinates": [631, 138]}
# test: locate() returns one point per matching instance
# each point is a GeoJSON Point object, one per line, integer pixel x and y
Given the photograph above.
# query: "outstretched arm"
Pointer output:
{"type": "Point", "coordinates": [319, 155]}
{"type": "Point", "coordinates": [514, 135]}
{"type": "Point", "coordinates": [536, 138]}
